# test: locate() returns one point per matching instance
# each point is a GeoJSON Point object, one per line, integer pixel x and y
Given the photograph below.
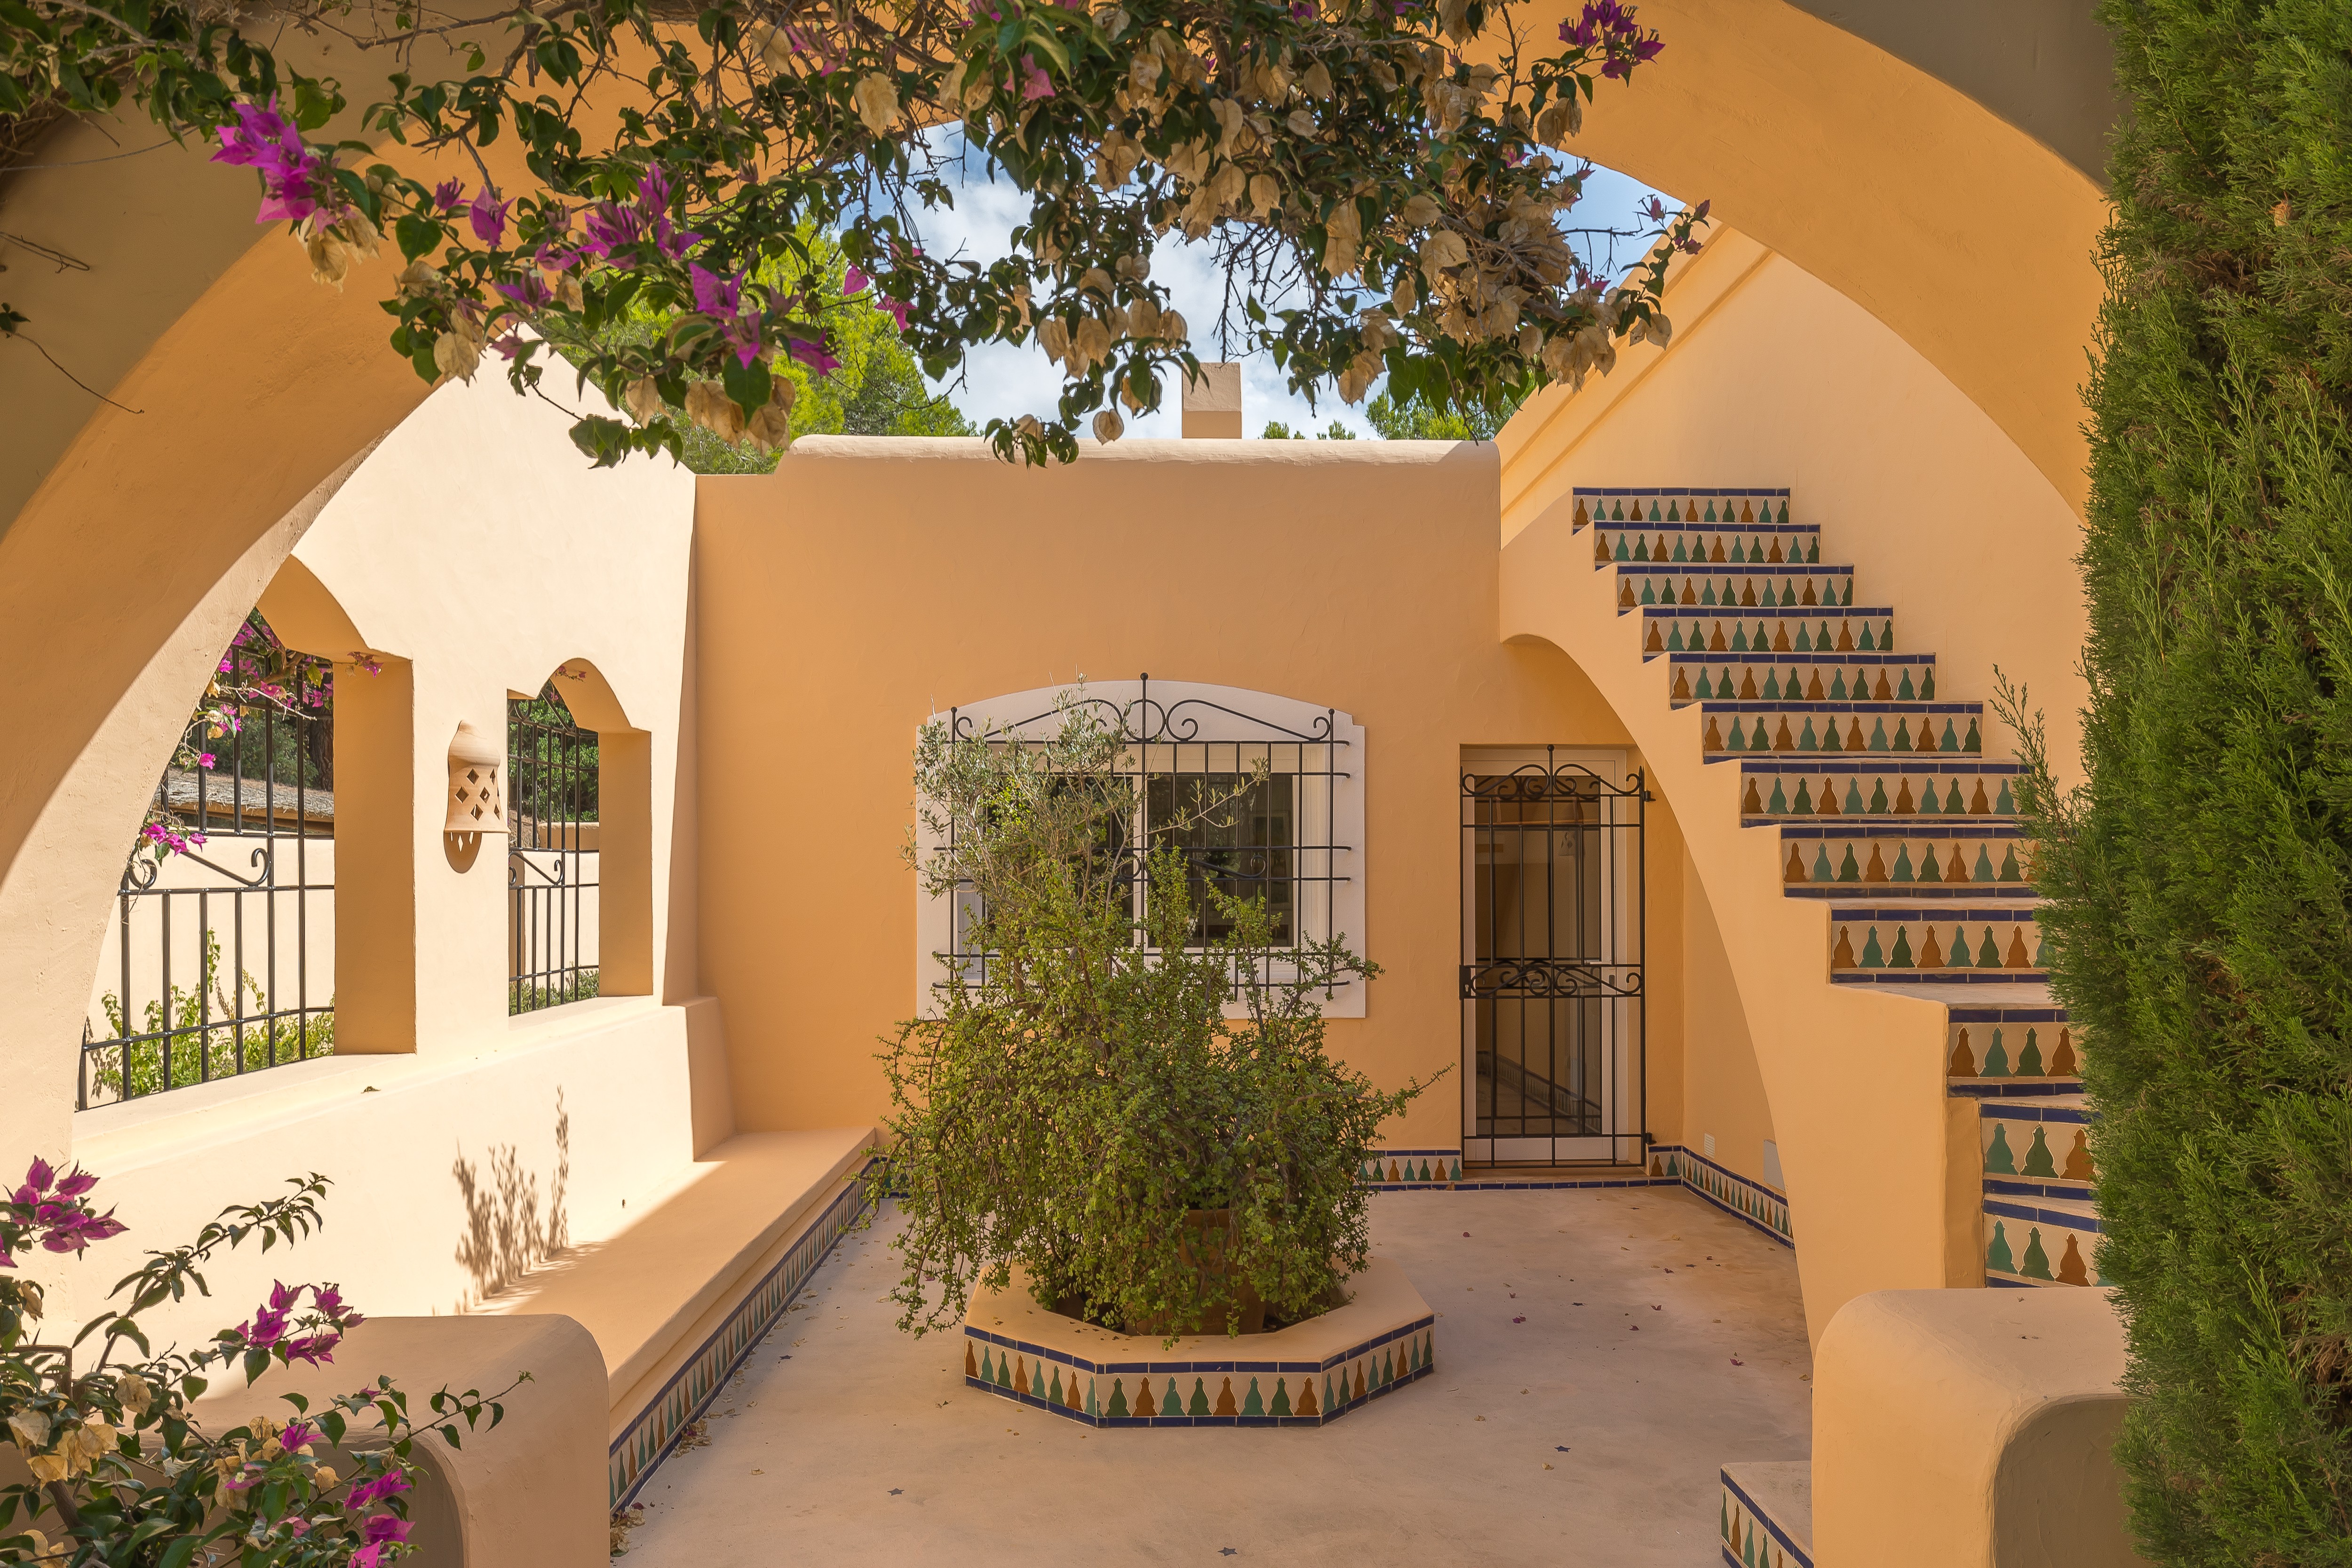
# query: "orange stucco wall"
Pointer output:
{"type": "Point", "coordinates": [870, 583]}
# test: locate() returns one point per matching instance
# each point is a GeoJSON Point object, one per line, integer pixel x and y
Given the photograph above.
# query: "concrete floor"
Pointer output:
{"type": "Point", "coordinates": [1661, 1337]}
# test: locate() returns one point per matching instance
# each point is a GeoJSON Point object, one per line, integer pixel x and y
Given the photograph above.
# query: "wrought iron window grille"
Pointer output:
{"type": "Point", "coordinates": [552, 879]}
{"type": "Point", "coordinates": [1552, 983]}
{"type": "Point", "coordinates": [1251, 801]}
{"type": "Point", "coordinates": [211, 970]}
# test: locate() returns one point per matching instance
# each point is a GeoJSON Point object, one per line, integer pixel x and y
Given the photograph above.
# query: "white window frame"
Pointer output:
{"type": "Point", "coordinates": [1179, 718]}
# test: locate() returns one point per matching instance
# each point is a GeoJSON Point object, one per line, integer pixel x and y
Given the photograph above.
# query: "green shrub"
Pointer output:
{"type": "Point", "coordinates": [204, 1043]}
{"type": "Point", "coordinates": [1082, 1093]}
{"type": "Point", "coordinates": [2198, 879]}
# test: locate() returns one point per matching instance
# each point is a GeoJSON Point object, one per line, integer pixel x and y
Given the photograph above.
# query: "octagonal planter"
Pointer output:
{"type": "Point", "coordinates": [1303, 1375]}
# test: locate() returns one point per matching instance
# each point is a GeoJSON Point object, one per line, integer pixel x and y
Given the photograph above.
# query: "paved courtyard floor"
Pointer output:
{"type": "Point", "coordinates": [1599, 1354]}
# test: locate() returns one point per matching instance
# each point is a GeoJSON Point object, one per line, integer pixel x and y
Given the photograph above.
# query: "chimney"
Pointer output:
{"type": "Point", "coordinates": [1213, 403]}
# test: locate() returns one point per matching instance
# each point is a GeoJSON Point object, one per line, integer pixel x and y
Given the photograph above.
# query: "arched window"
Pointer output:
{"type": "Point", "coordinates": [220, 958]}
{"type": "Point", "coordinates": [580, 850]}
{"type": "Point", "coordinates": [1289, 776]}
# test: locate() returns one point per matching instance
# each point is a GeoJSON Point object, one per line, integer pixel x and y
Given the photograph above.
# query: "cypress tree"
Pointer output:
{"type": "Point", "coordinates": [2198, 926]}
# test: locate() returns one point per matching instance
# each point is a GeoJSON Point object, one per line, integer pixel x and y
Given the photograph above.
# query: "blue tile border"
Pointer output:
{"type": "Point", "coordinates": [1938, 978]}
{"type": "Point", "coordinates": [1419, 1358]}
{"type": "Point", "coordinates": [1542, 1179]}
{"type": "Point", "coordinates": [651, 1437]}
{"type": "Point", "coordinates": [2033, 1214]}
{"type": "Point", "coordinates": [1661, 492]}
{"type": "Point", "coordinates": [2078, 1115]}
{"type": "Point", "coordinates": [1797, 1557]}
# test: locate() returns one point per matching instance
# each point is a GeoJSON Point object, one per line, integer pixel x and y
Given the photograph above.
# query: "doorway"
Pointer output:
{"type": "Point", "coordinates": [1552, 1030]}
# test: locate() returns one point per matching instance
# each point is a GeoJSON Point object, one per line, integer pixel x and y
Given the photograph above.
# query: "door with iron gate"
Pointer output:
{"type": "Point", "coordinates": [1552, 1027]}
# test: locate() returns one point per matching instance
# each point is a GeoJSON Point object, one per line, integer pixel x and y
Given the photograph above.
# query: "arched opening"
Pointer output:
{"type": "Point", "coordinates": [219, 960]}
{"type": "Point", "coordinates": [579, 873]}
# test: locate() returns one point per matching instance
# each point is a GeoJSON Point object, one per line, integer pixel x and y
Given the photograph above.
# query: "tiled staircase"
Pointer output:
{"type": "Point", "coordinates": [1871, 770]}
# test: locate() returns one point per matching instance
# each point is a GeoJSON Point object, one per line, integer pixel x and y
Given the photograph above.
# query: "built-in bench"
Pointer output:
{"type": "Point", "coordinates": [677, 1300]}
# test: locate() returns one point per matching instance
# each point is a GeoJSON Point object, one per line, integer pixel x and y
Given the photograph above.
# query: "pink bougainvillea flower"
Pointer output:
{"type": "Point", "coordinates": [77, 1182]}
{"type": "Point", "coordinates": [296, 1433]}
{"type": "Point", "coordinates": [814, 355]}
{"type": "Point", "coordinates": [448, 195]}
{"type": "Point", "coordinates": [714, 295]}
{"type": "Point", "coordinates": [896, 309]}
{"type": "Point", "coordinates": [853, 280]}
{"type": "Point", "coordinates": [296, 180]}
{"type": "Point", "coordinates": [377, 1532]}
{"type": "Point", "coordinates": [369, 1492]}
{"type": "Point", "coordinates": [73, 1231]}
{"type": "Point", "coordinates": [532, 292]}
{"type": "Point", "coordinates": [1035, 82]}
{"type": "Point", "coordinates": [488, 217]}
{"type": "Point", "coordinates": [38, 1175]}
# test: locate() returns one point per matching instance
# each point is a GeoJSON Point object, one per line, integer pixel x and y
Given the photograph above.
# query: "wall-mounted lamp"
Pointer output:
{"type": "Point", "coordinates": [476, 805]}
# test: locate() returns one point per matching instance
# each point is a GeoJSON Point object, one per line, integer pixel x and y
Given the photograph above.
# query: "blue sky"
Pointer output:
{"type": "Point", "coordinates": [1003, 379]}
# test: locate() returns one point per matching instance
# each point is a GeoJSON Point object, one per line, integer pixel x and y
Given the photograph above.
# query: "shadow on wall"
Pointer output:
{"type": "Point", "coordinates": [505, 1235]}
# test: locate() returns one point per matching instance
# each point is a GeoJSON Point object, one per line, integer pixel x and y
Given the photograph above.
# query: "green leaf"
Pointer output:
{"type": "Point", "coordinates": [749, 386]}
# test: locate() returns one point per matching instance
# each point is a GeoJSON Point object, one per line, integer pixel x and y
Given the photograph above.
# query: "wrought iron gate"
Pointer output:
{"type": "Point", "coordinates": [1553, 1032]}
{"type": "Point", "coordinates": [553, 856]}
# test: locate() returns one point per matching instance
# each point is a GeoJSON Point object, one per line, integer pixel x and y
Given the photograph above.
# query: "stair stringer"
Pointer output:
{"type": "Point", "coordinates": [1855, 1077]}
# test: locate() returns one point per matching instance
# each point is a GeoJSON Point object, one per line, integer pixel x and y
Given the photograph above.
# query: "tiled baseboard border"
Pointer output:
{"type": "Point", "coordinates": [1670, 1165]}
{"type": "Point", "coordinates": [649, 1439]}
{"type": "Point", "coordinates": [1749, 1201]}
{"type": "Point", "coordinates": [1742, 1528]}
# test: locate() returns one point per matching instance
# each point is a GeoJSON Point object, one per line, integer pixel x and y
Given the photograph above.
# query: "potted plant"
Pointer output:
{"type": "Point", "coordinates": [1079, 1105]}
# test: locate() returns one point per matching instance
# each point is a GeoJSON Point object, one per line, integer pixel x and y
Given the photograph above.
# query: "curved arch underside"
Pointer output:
{"type": "Point", "coordinates": [136, 540]}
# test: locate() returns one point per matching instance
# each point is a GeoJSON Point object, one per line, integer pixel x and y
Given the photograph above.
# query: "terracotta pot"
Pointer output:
{"type": "Point", "coordinates": [1204, 1248]}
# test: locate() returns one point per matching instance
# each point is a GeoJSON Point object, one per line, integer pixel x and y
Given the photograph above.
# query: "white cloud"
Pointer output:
{"type": "Point", "coordinates": [1003, 379]}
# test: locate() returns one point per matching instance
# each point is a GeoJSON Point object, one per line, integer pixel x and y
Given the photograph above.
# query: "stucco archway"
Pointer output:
{"type": "Point", "coordinates": [137, 540]}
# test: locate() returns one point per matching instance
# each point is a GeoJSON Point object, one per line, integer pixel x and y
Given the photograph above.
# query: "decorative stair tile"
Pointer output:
{"type": "Point", "coordinates": [1680, 629]}
{"type": "Point", "coordinates": [1760, 588]}
{"type": "Point", "coordinates": [1813, 678]}
{"type": "Point", "coordinates": [1875, 785]}
{"type": "Point", "coordinates": [1767, 1517]}
{"type": "Point", "coordinates": [2037, 1148]}
{"type": "Point", "coordinates": [1705, 544]}
{"type": "Point", "coordinates": [1976, 943]}
{"type": "Point", "coordinates": [1681, 505]}
{"type": "Point", "coordinates": [1841, 728]}
{"type": "Point", "coordinates": [2041, 1241]}
{"type": "Point", "coordinates": [1939, 858]}
{"type": "Point", "coordinates": [2006, 1051]}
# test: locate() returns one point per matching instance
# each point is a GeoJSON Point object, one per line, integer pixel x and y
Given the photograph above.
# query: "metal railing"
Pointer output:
{"type": "Point", "coordinates": [1248, 802]}
{"type": "Point", "coordinates": [219, 957]}
{"type": "Point", "coordinates": [1552, 989]}
{"type": "Point", "coordinates": [553, 855]}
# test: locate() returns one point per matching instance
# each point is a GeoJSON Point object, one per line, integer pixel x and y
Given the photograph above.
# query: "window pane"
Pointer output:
{"type": "Point", "coordinates": [1239, 835]}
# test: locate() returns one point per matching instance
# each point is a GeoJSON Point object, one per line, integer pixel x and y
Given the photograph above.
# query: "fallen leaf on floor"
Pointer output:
{"type": "Point", "coordinates": [759, 1472]}
{"type": "Point", "coordinates": [1518, 1320]}
{"type": "Point", "coordinates": [1737, 1361]}
{"type": "Point", "coordinates": [1546, 1466]}
{"type": "Point", "coordinates": [1480, 1417]}
{"type": "Point", "coordinates": [895, 1491]}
